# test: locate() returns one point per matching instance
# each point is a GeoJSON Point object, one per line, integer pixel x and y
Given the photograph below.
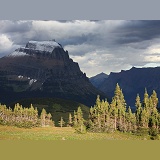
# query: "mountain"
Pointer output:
{"type": "Point", "coordinates": [133, 81]}
{"type": "Point", "coordinates": [43, 69]}
{"type": "Point", "coordinates": [98, 79]}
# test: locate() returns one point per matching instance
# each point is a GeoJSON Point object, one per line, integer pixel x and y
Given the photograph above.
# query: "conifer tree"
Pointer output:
{"type": "Point", "coordinates": [153, 120]}
{"type": "Point", "coordinates": [154, 99]}
{"type": "Point", "coordinates": [32, 113]}
{"type": "Point", "coordinates": [95, 114]}
{"type": "Point", "coordinates": [118, 108]}
{"type": "Point", "coordinates": [104, 114]}
{"type": "Point", "coordinates": [99, 119]}
{"type": "Point", "coordinates": [130, 120]}
{"type": "Point", "coordinates": [146, 100]}
{"type": "Point", "coordinates": [114, 112]}
{"type": "Point", "coordinates": [91, 119]}
{"type": "Point", "coordinates": [153, 112]}
{"type": "Point", "coordinates": [24, 117]}
{"type": "Point", "coordinates": [98, 101]}
{"type": "Point", "coordinates": [36, 114]}
{"type": "Point", "coordinates": [75, 121]}
{"type": "Point", "coordinates": [151, 106]}
{"type": "Point", "coordinates": [61, 122]}
{"type": "Point", "coordinates": [49, 121]}
{"type": "Point", "coordinates": [70, 122]}
{"type": "Point", "coordinates": [144, 118]}
{"type": "Point", "coordinates": [138, 110]}
{"type": "Point", "coordinates": [79, 121]}
{"type": "Point", "coordinates": [43, 117]}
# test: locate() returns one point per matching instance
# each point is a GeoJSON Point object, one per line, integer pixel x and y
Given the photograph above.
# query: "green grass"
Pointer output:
{"type": "Point", "coordinates": [57, 133]}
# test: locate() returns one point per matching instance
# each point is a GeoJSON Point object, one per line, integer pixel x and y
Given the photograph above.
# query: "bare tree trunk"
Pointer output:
{"type": "Point", "coordinates": [115, 122]}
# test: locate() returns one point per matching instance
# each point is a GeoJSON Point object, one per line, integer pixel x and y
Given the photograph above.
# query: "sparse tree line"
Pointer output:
{"type": "Point", "coordinates": [24, 117]}
{"type": "Point", "coordinates": [103, 116]}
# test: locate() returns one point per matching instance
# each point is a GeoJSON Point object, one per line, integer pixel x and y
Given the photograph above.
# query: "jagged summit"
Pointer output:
{"type": "Point", "coordinates": [98, 79]}
{"type": "Point", "coordinates": [47, 46]}
{"type": "Point", "coordinates": [44, 69]}
{"type": "Point", "coordinates": [36, 46]}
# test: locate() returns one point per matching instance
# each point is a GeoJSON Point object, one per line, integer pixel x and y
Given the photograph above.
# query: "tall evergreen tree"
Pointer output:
{"type": "Point", "coordinates": [146, 100]}
{"type": "Point", "coordinates": [79, 121]}
{"type": "Point", "coordinates": [70, 122]}
{"type": "Point", "coordinates": [153, 119]}
{"type": "Point", "coordinates": [75, 120]}
{"type": "Point", "coordinates": [118, 108]}
{"type": "Point", "coordinates": [138, 110]}
{"type": "Point", "coordinates": [144, 118]}
{"type": "Point", "coordinates": [43, 117]}
{"type": "Point", "coordinates": [49, 121]}
{"type": "Point", "coordinates": [99, 118]}
{"type": "Point", "coordinates": [130, 121]}
{"type": "Point", "coordinates": [154, 99]}
{"type": "Point", "coordinates": [114, 112]}
{"type": "Point", "coordinates": [61, 122]}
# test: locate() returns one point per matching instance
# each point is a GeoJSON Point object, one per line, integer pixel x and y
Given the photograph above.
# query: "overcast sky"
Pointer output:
{"type": "Point", "coordinates": [98, 46]}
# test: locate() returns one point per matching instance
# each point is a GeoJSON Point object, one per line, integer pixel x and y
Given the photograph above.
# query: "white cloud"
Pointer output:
{"type": "Point", "coordinates": [154, 48]}
{"type": "Point", "coordinates": [5, 43]}
{"type": "Point", "coordinates": [99, 61]}
{"type": "Point", "coordinates": [152, 59]}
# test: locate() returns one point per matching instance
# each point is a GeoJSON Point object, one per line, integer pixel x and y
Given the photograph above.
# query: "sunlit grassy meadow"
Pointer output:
{"type": "Point", "coordinates": [57, 133]}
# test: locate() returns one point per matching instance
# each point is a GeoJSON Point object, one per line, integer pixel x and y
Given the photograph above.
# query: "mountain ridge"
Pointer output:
{"type": "Point", "coordinates": [98, 79]}
{"type": "Point", "coordinates": [133, 82]}
{"type": "Point", "coordinates": [37, 70]}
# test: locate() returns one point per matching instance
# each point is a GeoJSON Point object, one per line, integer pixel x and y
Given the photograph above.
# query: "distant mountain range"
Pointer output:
{"type": "Point", "coordinates": [131, 81]}
{"type": "Point", "coordinates": [43, 69]}
{"type": "Point", "coordinates": [98, 79]}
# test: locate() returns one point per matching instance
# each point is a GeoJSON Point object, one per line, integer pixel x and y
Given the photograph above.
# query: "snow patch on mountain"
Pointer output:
{"type": "Point", "coordinates": [32, 81]}
{"type": "Point", "coordinates": [20, 76]}
{"type": "Point", "coordinates": [42, 46]}
{"type": "Point", "coordinates": [17, 53]}
{"type": "Point", "coordinates": [47, 46]}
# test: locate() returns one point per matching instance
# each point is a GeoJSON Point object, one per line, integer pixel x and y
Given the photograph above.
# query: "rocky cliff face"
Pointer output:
{"type": "Point", "coordinates": [43, 69]}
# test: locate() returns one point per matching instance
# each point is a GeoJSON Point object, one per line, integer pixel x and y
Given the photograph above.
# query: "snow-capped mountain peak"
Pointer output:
{"type": "Point", "coordinates": [47, 46]}
{"type": "Point", "coordinates": [35, 47]}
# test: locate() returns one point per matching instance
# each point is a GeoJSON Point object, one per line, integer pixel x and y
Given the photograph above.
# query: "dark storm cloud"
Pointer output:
{"type": "Point", "coordinates": [78, 40]}
{"type": "Point", "coordinates": [128, 32]}
{"type": "Point", "coordinates": [15, 26]}
{"type": "Point", "coordinates": [138, 31]}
